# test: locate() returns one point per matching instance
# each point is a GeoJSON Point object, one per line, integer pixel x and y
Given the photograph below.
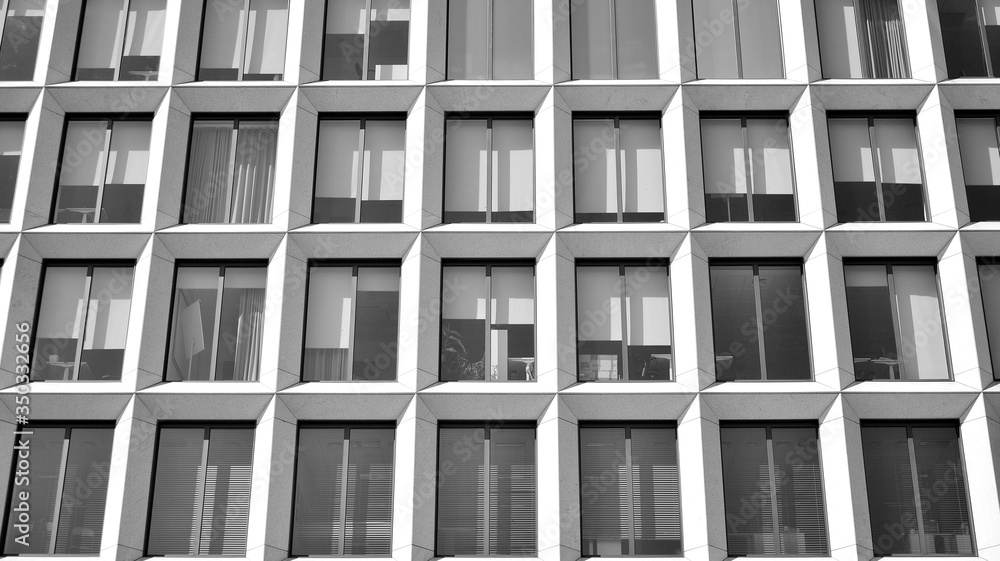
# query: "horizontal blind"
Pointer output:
{"type": "Point", "coordinates": [177, 492]}
{"type": "Point", "coordinates": [512, 492]}
{"type": "Point", "coordinates": [85, 491]}
{"type": "Point", "coordinates": [947, 527]}
{"type": "Point", "coordinates": [890, 489]}
{"type": "Point", "coordinates": [461, 492]}
{"type": "Point", "coordinates": [42, 485]}
{"type": "Point", "coordinates": [318, 484]}
{"type": "Point", "coordinates": [368, 528]}
{"type": "Point", "coordinates": [603, 491]}
{"type": "Point", "coordinates": [226, 510]}
{"type": "Point", "coordinates": [655, 492]}
{"type": "Point", "coordinates": [747, 488]}
{"type": "Point", "coordinates": [799, 491]}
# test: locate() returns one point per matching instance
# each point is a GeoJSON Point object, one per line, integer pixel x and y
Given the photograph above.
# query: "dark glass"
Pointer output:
{"type": "Point", "coordinates": [376, 326]}
{"type": "Point", "coordinates": [734, 323]}
{"type": "Point", "coordinates": [869, 310]}
{"type": "Point", "coordinates": [963, 45]}
{"type": "Point", "coordinates": [122, 203]}
{"type": "Point", "coordinates": [8, 181]}
{"type": "Point", "coordinates": [903, 202]}
{"type": "Point", "coordinates": [857, 201]}
{"type": "Point", "coordinates": [19, 47]}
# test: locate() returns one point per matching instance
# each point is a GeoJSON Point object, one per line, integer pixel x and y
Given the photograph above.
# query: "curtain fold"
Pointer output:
{"type": "Point", "coordinates": [250, 330]}
{"type": "Point", "coordinates": [883, 31]}
{"type": "Point", "coordinates": [253, 184]}
{"type": "Point", "coordinates": [325, 365]}
{"type": "Point", "coordinates": [209, 181]}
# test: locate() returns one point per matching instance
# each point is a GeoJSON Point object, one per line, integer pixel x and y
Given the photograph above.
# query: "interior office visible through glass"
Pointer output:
{"type": "Point", "coordinates": [978, 144]}
{"type": "Point", "coordinates": [737, 39]}
{"type": "Point", "coordinates": [244, 40]}
{"type": "Point", "coordinates": [490, 40]}
{"type": "Point", "coordinates": [121, 40]}
{"type": "Point", "coordinates": [613, 39]}
{"type": "Point", "coordinates": [970, 30]}
{"type": "Point", "coordinates": [862, 39]}
{"type": "Point", "coordinates": [366, 40]}
{"type": "Point", "coordinates": [989, 283]}
{"type": "Point", "coordinates": [20, 29]}
{"type": "Point", "coordinates": [11, 144]}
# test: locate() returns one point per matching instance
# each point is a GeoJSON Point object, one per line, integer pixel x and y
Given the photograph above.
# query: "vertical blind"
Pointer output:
{"type": "Point", "coordinates": [201, 491]}
{"type": "Point", "coordinates": [862, 39]}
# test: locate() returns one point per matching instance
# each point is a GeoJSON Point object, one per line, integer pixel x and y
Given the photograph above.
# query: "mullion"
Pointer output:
{"type": "Point", "coordinates": [876, 168]}
{"type": "Point", "coordinates": [614, 49]}
{"type": "Point", "coordinates": [747, 165]}
{"type": "Point", "coordinates": [352, 320]}
{"type": "Point", "coordinates": [359, 188]}
{"type": "Point", "coordinates": [619, 173]}
{"type": "Point", "coordinates": [772, 476]}
{"type": "Point", "coordinates": [3, 16]}
{"type": "Point", "coordinates": [487, 348]}
{"type": "Point", "coordinates": [739, 47]}
{"type": "Point", "coordinates": [203, 484]}
{"type": "Point", "coordinates": [623, 306]}
{"type": "Point", "coordinates": [83, 327]}
{"type": "Point", "coordinates": [487, 472]}
{"type": "Point", "coordinates": [891, 283]}
{"type": "Point", "coordinates": [246, 35]}
{"type": "Point", "coordinates": [489, 170]}
{"type": "Point", "coordinates": [61, 482]}
{"type": "Point", "coordinates": [121, 38]}
{"type": "Point", "coordinates": [489, 49]}
{"type": "Point", "coordinates": [630, 501]}
{"type": "Point", "coordinates": [760, 321]}
{"type": "Point", "coordinates": [343, 491]}
{"type": "Point", "coordinates": [231, 188]}
{"type": "Point", "coordinates": [916, 488]}
{"type": "Point", "coordinates": [368, 39]}
{"type": "Point", "coordinates": [981, 25]}
{"type": "Point", "coordinates": [109, 128]}
{"type": "Point", "coordinates": [218, 322]}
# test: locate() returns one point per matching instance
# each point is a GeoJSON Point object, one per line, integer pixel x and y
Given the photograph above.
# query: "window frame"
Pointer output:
{"type": "Point", "coordinates": [120, 41]}
{"type": "Point", "coordinates": [617, 118]}
{"type": "Point", "coordinates": [222, 265]}
{"type": "Point", "coordinates": [866, 70]}
{"type": "Point", "coordinates": [489, 118]}
{"type": "Point", "coordinates": [488, 264]}
{"type": "Point", "coordinates": [489, 42]}
{"type": "Point", "coordinates": [623, 264]}
{"type": "Point", "coordinates": [888, 264]}
{"type": "Point", "coordinates": [738, 44]}
{"type": "Point", "coordinates": [111, 119]}
{"type": "Point", "coordinates": [68, 264]}
{"type": "Point", "coordinates": [768, 425]}
{"type": "Point", "coordinates": [612, 4]}
{"type": "Point", "coordinates": [971, 115]}
{"type": "Point", "coordinates": [355, 265]}
{"type": "Point", "coordinates": [366, 47]}
{"type": "Point", "coordinates": [363, 118]}
{"type": "Point", "coordinates": [488, 425]}
{"type": "Point", "coordinates": [247, 4]}
{"type": "Point", "coordinates": [745, 116]}
{"type": "Point", "coordinates": [628, 426]}
{"type": "Point", "coordinates": [761, 328]}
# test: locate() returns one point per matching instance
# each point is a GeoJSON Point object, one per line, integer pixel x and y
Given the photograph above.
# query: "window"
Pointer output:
{"type": "Point", "coordinates": [495, 188]}
{"type": "Point", "coordinates": [759, 321]}
{"type": "Point", "coordinates": [618, 169]}
{"type": "Point", "coordinates": [364, 156]}
{"type": "Point", "coordinates": [218, 322]}
{"type": "Point", "coordinates": [11, 143]}
{"type": "Point", "coordinates": [121, 40]}
{"type": "Point", "coordinates": [897, 330]}
{"type": "Point", "coordinates": [366, 39]}
{"type": "Point", "coordinates": [343, 491]}
{"type": "Point", "coordinates": [876, 169]}
{"type": "Point", "coordinates": [82, 323]}
{"type": "Point", "coordinates": [352, 323]}
{"type": "Point", "coordinates": [737, 39]}
{"type": "Point", "coordinates": [230, 177]}
{"type": "Point", "coordinates": [989, 282]}
{"type": "Point", "coordinates": [102, 174]}
{"type": "Point", "coordinates": [613, 39]}
{"type": "Point", "coordinates": [862, 39]}
{"type": "Point", "coordinates": [19, 43]}
{"type": "Point", "coordinates": [486, 490]}
{"type": "Point", "coordinates": [629, 491]}
{"type": "Point", "coordinates": [916, 490]}
{"type": "Point", "coordinates": [58, 509]}
{"type": "Point", "coordinates": [748, 170]}
{"type": "Point", "coordinates": [773, 490]}
{"type": "Point", "coordinates": [603, 291]}
{"type": "Point", "coordinates": [489, 40]}
{"type": "Point", "coordinates": [244, 40]}
{"type": "Point", "coordinates": [977, 141]}
{"type": "Point", "coordinates": [201, 491]}
{"type": "Point", "coordinates": [501, 334]}
{"type": "Point", "coordinates": [971, 33]}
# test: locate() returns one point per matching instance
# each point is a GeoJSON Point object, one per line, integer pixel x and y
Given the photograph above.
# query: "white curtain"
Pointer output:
{"type": "Point", "coordinates": [249, 334]}
{"type": "Point", "coordinates": [209, 173]}
{"type": "Point", "coordinates": [253, 187]}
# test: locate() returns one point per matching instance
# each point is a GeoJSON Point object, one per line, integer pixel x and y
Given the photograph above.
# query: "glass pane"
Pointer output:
{"type": "Point", "coordinates": [377, 324]}
{"type": "Point", "coordinates": [46, 449]}
{"type": "Point", "coordinates": [873, 334]}
{"type": "Point", "coordinates": [208, 191]}
{"type": "Point", "coordinates": [800, 491]}
{"type": "Point", "coordinates": [513, 178]}
{"type": "Point", "coordinates": [328, 324]}
{"type": "Point", "coordinates": [193, 332]}
{"type": "Point", "coordinates": [384, 167]}
{"type": "Point", "coordinates": [899, 166]}
{"type": "Point", "coordinates": [746, 477]}
{"type": "Point", "coordinates": [851, 150]}
{"type": "Point", "coordinates": [19, 46]}
{"type": "Point", "coordinates": [463, 324]}
{"type": "Point", "coordinates": [891, 504]}
{"type": "Point", "coordinates": [591, 40]}
{"type": "Point", "coordinates": [921, 328]}
{"type": "Point", "coordinates": [760, 39]}
{"type": "Point", "coordinates": [82, 170]}
{"type": "Point", "coordinates": [635, 22]}
{"type": "Point", "coordinates": [178, 491]}
{"type": "Point", "coordinates": [647, 308]}
{"type": "Point", "coordinates": [771, 169]}
{"type": "Point", "coordinates": [369, 493]}
{"type": "Point", "coordinates": [143, 39]}
{"type": "Point", "coordinates": [461, 490]}
{"type": "Point", "coordinates": [100, 39]}
{"type": "Point", "coordinates": [991, 27]}
{"type": "Point", "coordinates": [388, 39]}
{"type": "Point", "coordinates": [467, 40]}
{"type": "Point", "coordinates": [838, 39]}
{"type": "Point", "coordinates": [716, 39]}
{"type": "Point", "coordinates": [126, 175]}
{"type": "Point", "coordinates": [107, 324]}
{"type": "Point", "coordinates": [512, 492]}
{"type": "Point", "coordinates": [642, 167]}
{"type": "Point", "coordinates": [725, 170]}
{"type": "Point", "coordinates": [265, 55]}
{"type": "Point", "coordinates": [337, 167]}
{"type": "Point", "coordinates": [60, 323]}
{"type": "Point", "coordinates": [241, 324]}
{"type": "Point", "coordinates": [11, 140]}
{"type": "Point", "coordinates": [734, 320]}
{"type": "Point", "coordinates": [963, 43]}
{"type": "Point", "coordinates": [595, 170]}
{"type": "Point", "coordinates": [656, 492]}
{"type": "Point", "coordinates": [344, 47]}
{"type": "Point", "coordinates": [977, 141]}
{"type": "Point", "coordinates": [512, 40]}
{"type": "Point", "coordinates": [319, 480]}
{"type": "Point", "coordinates": [222, 42]}
{"type": "Point", "coordinates": [465, 180]}
{"type": "Point", "coordinates": [599, 323]}
{"type": "Point", "coordinates": [253, 188]}
{"type": "Point", "coordinates": [989, 281]}
{"type": "Point", "coordinates": [783, 312]}
{"type": "Point", "coordinates": [227, 492]}
{"type": "Point", "coordinates": [945, 509]}
{"type": "Point", "coordinates": [512, 335]}
{"type": "Point", "coordinates": [85, 488]}
{"type": "Point", "coordinates": [884, 44]}
{"type": "Point", "coordinates": [604, 502]}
